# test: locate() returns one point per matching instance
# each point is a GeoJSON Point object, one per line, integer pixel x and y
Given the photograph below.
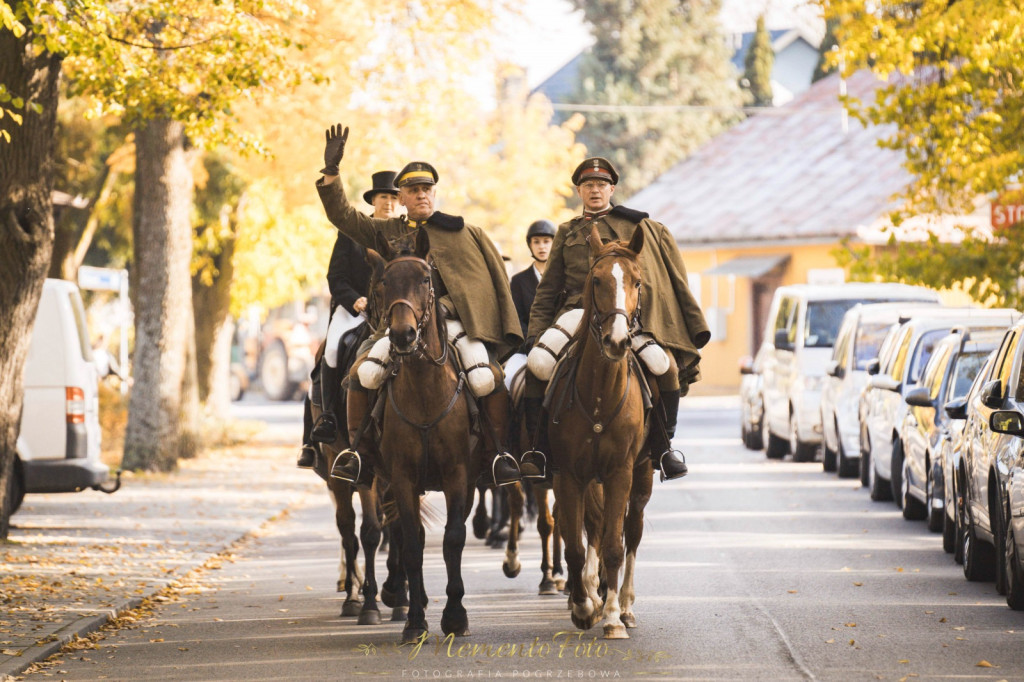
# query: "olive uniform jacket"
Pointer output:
{"type": "Point", "coordinates": [669, 310]}
{"type": "Point", "coordinates": [466, 259]}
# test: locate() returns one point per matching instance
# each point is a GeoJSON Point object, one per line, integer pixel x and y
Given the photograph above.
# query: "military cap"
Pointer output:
{"type": "Point", "coordinates": [383, 182]}
{"type": "Point", "coordinates": [416, 173]}
{"type": "Point", "coordinates": [595, 168]}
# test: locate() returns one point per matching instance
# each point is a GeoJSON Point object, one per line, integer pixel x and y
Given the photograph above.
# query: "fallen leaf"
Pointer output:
{"type": "Point", "coordinates": [983, 664]}
{"type": "Point", "coordinates": [283, 610]}
{"type": "Point", "coordinates": [903, 660]}
{"type": "Point", "coordinates": [830, 641]}
{"type": "Point", "coordinates": [851, 642]}
{"type": "Point", "coordinates": [929, 612]}
{"type": "Point", "coordinates": [792, 591]}
{"type": "Point", "coordinates": [851, 625]}
{"type": "Point", "coordinates": [11, 652]}
{"type": "Point", "coordinates": [942, 620]}
{"type": "Point", "coordinates": [158, 639]}
{"type": "Point", "coordinates": [899, 569]}
{"type": "Point", "coordinates": [858, 584]}
{"type": "Point", "coordinates": [959, 628]}
{"type": "Point", "coordinates": [182, 648]}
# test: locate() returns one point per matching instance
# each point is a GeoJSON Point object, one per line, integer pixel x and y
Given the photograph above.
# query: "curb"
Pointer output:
{"type": "Point", "coordinates": [15, 665]}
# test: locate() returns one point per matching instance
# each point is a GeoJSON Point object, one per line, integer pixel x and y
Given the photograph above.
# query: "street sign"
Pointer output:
{"type": "Point", "coordinates": [100, 279]}
{"type": "Point", "coordinates": [1005, 213]}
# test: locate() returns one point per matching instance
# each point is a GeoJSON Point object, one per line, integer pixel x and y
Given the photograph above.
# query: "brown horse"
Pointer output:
{"type": "Point", "coordinates": [596, 430]}
{"type": "Point", "coordinates": [426, 441]}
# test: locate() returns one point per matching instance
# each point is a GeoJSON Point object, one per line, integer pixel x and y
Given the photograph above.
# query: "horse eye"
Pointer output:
{"type": "Point", "coordinates": [638, 284]}
{"type": "Point", "coordinates": [426, 280]}
{"type": "Point", "coordinates": [597, 281]}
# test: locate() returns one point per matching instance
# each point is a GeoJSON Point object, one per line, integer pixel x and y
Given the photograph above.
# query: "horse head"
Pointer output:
{"type": "Point", "coordinates": [407, 291]}
{"type": "Point", "coordinates": [612, 291]}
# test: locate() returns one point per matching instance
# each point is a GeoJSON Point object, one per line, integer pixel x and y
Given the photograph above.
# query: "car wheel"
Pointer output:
{"type": "Point", "coordinates": [978, 563]}
{"type": "Point", "coordinates": [845, 467]}
{"type": "Point", "coordinates": [936, 515]}
{"type": "Point", "coordinates": [756, 434]}
{"type": "Point", "coordinates": [1014, 579]}
{"type": "Point", "coordinates": [896, 473]}
{"type": "Point", "coordinates": [913, 508]}
{"type": "Point", "coordinates": [999, 526]}
{"type": "Point", "coordinates": [865, 461]}
{"type": "Point", "coordinates": [828, 455]}
{"type": "Point", "coordinates": [879, 489]}
{"type": "Point", "coordinates": [15, 491]}
{"type": "Point", "coordinates": [948, 534]}
{"type": "Point", "coordinates": [777, 447]}
{"type": "Point", "coordinates": [802, 452]}
{"type": "Point", "coordinates": [274, 373]}
{"type": "Point", "coordinates": [959, 520]}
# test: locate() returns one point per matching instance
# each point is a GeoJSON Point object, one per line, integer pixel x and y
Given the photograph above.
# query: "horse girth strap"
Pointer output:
{"type": "Point", "coordinates": [424, 429]}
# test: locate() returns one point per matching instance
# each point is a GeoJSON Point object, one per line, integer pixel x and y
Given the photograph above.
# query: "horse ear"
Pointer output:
{"type": "Point", "coordinates": [376, 262]}
{"type": "Point", "coordinates": [595, 241]}
{"type": "Point", "coordinates": [422, 243]}
{"type": "Point", "coordinates": [636, 243]}
{"type": "Point", "coordinates": [384, 249]}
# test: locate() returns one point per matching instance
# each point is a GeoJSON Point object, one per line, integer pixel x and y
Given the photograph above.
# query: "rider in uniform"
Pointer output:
{"type": "Point", "coordinates": [471, 285]}
{"type": "Point", "coordinates": [348, 278]}
{"type": "Point", "coordinates": [669, 310]}
{"type": "Point", "coordinates": [539, 236]}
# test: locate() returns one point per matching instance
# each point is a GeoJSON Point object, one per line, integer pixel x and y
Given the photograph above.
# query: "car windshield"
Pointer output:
{"type": "Point", "coordinates": [925, 346]}
{"type": "Point", "coordinates": [823, 320]}
{"type": "Point", "coordinates": [966, 368]}
{"type": "Point", "coordinates": [868, 342]}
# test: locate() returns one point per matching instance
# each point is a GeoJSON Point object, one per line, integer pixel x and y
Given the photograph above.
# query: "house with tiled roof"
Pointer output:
{"type": "Point", "coordinates": [769, 201]}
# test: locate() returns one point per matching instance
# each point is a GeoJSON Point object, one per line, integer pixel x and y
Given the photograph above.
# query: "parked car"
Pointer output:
{"type": "Point", "coordinates": [1009, 425]}
{"type": "Point", "coordinates": [990, 450]}
{"type": "Point", "coordinates": [751, 407]}
{"type": "Point", "coordinates": [58, 447]}
{"type": "Point", "coordinates": [803, 322]}
{"type": "Point", "coordinates": [953, 367]}
{"type": "Point", "coordinates": [887, 389]}
{"type": "Point", "coordinates": [289, 339]}
{"type": "Point", "coordinates": [860, 337]}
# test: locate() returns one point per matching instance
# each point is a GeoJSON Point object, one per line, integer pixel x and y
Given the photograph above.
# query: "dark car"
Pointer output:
{"type": "Point", "coordinates": [989, 450]}
{"type": "Point", "coordinates": [955, 363]}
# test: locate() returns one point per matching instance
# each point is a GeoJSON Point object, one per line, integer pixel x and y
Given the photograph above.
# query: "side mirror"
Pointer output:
{"type": "Point", "coordinates": [834, 369]}
{"type": "Point", "coordinates": [1007, 421]}
{"type": "Point", "coordinates": [782, 340]}
{"type": "Point", "coordinates": [746, 365]}
{"type": "Point", "coordinates": [957, 408]}
{"type": "Point", "coordinates": [873, 366]}
{"type": "Point", "coordinates": [919, 397]}
{"type": "Point", "coordinates": [992, 394]}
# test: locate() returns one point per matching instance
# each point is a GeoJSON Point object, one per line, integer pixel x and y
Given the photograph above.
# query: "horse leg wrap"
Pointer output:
{"type": "Point", "coordinates": [652, 355]}
{"type": "Point", "coordinates": [373, 369]}
{"type": "Point", "coordinates": [473, 355]}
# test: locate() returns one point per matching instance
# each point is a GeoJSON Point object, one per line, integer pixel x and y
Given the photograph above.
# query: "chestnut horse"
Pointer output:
{"type": "Point", "coordinates": [425, 439]}
{"type": "Point", "coordinates": [596, 431]}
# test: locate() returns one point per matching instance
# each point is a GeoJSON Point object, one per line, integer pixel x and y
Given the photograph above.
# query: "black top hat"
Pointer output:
{"type": "Point", "coordinates": [416, 173]}
{"type": "Point", "coordinates": [383, 181]}
{"type": "Point", "coordinates": [595, 168]}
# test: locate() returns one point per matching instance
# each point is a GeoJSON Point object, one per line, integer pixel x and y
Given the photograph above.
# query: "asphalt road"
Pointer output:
{"type": "Point", "coordinates": [750, 569]}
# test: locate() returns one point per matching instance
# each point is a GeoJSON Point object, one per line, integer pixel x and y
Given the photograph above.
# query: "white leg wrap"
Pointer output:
{"type": "Point", "coordinates": [372, 371]}
{"type": "Point", "coordinates": [653, 355]}
{"type": "Point", "coordinates": [472, 352]}
{"type": "Point", "coordinates": [334, 331]}
{"type": "Point", "coordinates": [549, 346]}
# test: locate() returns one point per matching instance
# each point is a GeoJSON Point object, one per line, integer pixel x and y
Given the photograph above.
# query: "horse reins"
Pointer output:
{"type": "Point", "coordinates": [597, 320]}
{"type": "Point", "coordinates": [421, 324]}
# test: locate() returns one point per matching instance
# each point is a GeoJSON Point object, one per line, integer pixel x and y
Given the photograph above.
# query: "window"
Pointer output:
{"type": "Point", "coordinates": [868, 344]}
{"type": "Point", "coordinates": [1004, 361]}
{"type": "Point", "coordinates": [925, 346]}
{"type": "Point", "coordinates": [841, 354]}
{"type": "Point", "coordinates": [784, 320]}
{"type": "Point", "coordinates": [822, 322]}
{"type": "Point", "coordinates": [898, 358]}
{"type": "Point", "coordinates": [965, 370]}
{"type": "Point", "coordinates": [934, 371]}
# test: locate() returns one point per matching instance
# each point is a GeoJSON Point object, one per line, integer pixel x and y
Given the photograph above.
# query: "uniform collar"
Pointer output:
{"type": "Point", "coordinates": [588, 215]}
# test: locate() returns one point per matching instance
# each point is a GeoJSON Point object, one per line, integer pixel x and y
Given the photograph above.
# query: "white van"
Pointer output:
{"type": "Point", "coordinates": [59, 440]}
{"type": "Point", "coordinates": [803, 323]}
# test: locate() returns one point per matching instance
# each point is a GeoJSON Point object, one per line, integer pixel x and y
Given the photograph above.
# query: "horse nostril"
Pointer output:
{"type": "Point", "coordinates": [403, 338]}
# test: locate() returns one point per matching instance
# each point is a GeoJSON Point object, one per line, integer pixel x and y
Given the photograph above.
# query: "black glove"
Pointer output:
{"type": "Point", "coordinates": [334, 149]}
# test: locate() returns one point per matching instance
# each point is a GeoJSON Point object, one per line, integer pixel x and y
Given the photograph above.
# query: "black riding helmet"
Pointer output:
{"type": "Point", "coordinates": [540, 228]}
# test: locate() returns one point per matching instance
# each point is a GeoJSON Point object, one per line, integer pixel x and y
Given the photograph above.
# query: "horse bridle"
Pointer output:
{"type": "Point", "coordinates": [421, 324]}
{"type": "Point", "coordinates": [597, 318]}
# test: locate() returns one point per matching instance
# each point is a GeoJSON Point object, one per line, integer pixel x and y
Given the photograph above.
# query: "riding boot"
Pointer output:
{"type": "Point", "coordinates": [533, 463]}
{"type": "Point", "coordinates": [326, 428]}
{"type": "Point", "coordinates": [670, 461]}
{"type": "Point", "coordinates": [349, 465]}
{"type": "Point", "coordinates": [307, 456]}
{"type": "Point", "coordinates": [503, 468]}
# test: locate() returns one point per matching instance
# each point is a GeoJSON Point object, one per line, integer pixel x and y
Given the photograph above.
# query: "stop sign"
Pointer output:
{"type": "Point", "coordinates": [1006, 213]}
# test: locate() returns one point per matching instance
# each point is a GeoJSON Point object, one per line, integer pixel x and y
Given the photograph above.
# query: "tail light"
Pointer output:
{"type": "Point", "coordinates": [76, 405]}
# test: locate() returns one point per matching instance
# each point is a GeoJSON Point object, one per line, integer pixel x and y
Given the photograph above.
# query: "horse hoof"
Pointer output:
{"type": "Point", "coordinates": [369, 617]}
{"type": "Point", "coordinates": [628, 619]}
{"type": "Point", "coordinates": [481, 524]}
{"type": "Point", "coordinates": [399, 613]}
{"type": "Point", "coordinates": [510, 572]}
{"type": "Point", "coordinates": [389, 598]}
{"type": "Point", "coordinates": [351, 608]}
{"type": "Point", "coordinates": [615, 631]}
{"type": "Point", "coordinates": [410, 635]}
{"type": "Point", "coordinates": [341, 586]}
{"type": "Point", "coordinates": [548, 587]}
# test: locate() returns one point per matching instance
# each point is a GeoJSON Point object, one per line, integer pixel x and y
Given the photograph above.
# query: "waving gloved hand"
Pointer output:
{"type": "Point", "coordinates": [334, 150]}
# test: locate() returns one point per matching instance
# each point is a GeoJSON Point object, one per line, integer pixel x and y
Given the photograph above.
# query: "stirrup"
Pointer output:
{"type": "Point", "coordinates": [341, 470]}
{"type": "Point", "coordinates": [504, 456]}
{"type": "Point", "coordinates": [528, 464]}
{"type": "Point", "coordinates": [307, 457]}
{"type": "Point", "coordinates": [326, 429]}
{"type": "Point", "coordinates": [678, 468]}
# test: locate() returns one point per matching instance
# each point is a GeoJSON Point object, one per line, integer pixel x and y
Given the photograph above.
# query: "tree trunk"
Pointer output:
{"type": "Point", "coordinates": [214, 330]}
{"type": "Point", "coordinates": [163, 301]}
{"type": "Point", "coordinates": [26, 228]}
{"type": "Point", "coordinates": [191, 416]}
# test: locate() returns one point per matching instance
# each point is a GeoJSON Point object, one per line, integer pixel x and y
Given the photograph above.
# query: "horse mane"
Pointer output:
{"type": "Point", "coordinates": [612, 248]}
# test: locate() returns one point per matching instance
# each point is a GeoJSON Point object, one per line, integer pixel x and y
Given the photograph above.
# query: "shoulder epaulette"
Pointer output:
{"type": "Point", "coordinates": [629, 214]}
{"type": "Point", "coordinates": [452, 223]}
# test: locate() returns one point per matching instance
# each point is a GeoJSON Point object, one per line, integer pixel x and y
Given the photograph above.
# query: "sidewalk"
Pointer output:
{"type": "Point", "coordinates": [74, 561]}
